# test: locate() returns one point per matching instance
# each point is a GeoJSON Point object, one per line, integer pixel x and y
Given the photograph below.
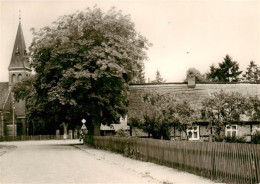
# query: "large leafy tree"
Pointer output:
{"type": "Point", "coordinates": [227, 71]}
{"type": "Point", "coordinates": [84, 63]}
{"type": "Point", "coordinates": [223, 108]}
{"type": "Point", "coordinates": [252, 73]}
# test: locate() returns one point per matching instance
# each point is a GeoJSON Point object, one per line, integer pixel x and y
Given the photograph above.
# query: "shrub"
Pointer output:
{"type": "Point", "coordinates": [122, 133]}
{"type": "Point", "coordinates": [256, 138]}
{"type": "Point", "coordinates": [219, 138]}
{"type": "Point", "coordinates": [235, 139]}
{"type": "Point", "coordinates": [135, 122]}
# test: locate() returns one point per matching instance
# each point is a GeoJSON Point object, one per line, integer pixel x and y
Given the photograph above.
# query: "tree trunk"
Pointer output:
{"type": "Point", "coordinates": [94, 129]}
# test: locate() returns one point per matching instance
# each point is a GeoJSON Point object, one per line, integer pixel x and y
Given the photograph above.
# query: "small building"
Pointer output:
{"type": "Point", "coordinates": [114, 128]}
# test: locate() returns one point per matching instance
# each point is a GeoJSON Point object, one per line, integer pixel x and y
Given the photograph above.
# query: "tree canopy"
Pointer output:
{"type": "Point", "coordinates": [253, 108]}
{"type": "Point", "coordinates": [196, 73]}
{"type": "Point", "coordinates": [227, 71]}
{"type": "Point", "coordinates": [252, 73]}
{"type": "Point", "coordinates": [161, 112]}
{"type": "Point", "coordinates": [84, 63]}
{"type": "Point", "coordinates": [158, 78]}
{"type": "Point", "coordinates": [223, 108]}
{"type": "Point", "coordinates": [156, 120]}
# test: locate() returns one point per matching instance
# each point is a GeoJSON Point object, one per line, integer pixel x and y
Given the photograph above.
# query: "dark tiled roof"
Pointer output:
{"type": "Point", "coordinates": [181, 92]}
{"type": "Point", "coordinates": [3, 93]}
{"type": "Point", "coordinates": [19, 58]}
{"type": "Point", "coordinates": [19, 107]}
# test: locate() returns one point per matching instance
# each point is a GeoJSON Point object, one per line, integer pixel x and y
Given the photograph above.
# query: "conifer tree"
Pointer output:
{"type": "Point", "coordinates": [227, 71]}
{"type": "Point", "coordinates": [252, 73]}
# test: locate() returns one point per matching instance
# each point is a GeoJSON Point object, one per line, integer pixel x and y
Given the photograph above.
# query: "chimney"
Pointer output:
{"type": "Point", "coordinates": [191, 81]}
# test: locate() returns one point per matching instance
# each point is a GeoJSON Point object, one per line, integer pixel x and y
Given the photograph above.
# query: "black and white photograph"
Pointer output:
{"type": "Point", "coordinates": [129, 91]}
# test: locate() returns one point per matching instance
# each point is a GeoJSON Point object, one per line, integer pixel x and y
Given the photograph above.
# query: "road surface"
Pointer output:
{"type": "Point", "coordinates": [59, 161]}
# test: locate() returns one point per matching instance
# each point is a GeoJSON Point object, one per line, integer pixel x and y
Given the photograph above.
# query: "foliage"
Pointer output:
{"type": "Point", "coordinates": [256, 138]}
{"type": "Point", "coordinates": [195, 72]}
{"type": "Point", "coordinates": [158, 78]}
{"type": "Point", "coordinates": [230, 139]}
{"type": "Point", "coordinates": [185, 115]}
{"type": "Point", "coordinates": [161, 113]}
{"type": "Point", "coordinates": [23, 88]}
{"type": "Point", "coordinates": [140, 78]}
{"type": "Point", "coordinates": [84, 63]}
{"type": "Point", "coordinates": [223, 108]}
{"type": "Point", "coordinates": [219, 138]}
{"type": "Point", "coordinates": [235, 139]}
{"type": "Point", "coordinates": [227, 71]}
{"type": "Point", "coordinates": [252, 73]}
{"type": "Point", "coordinates": [155, 121]}
{"type": "Point", "coordinates": [122, 133]}
{"type": "Point", "coordinates": [134, 121]}
{"type": "Point", "coordinates": [253, 108]}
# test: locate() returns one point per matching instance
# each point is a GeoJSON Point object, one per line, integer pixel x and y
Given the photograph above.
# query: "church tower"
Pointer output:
{"type": "Point", "coordinates": [19, 66]}
{"type": "Point", "coordinates": [19, 69]}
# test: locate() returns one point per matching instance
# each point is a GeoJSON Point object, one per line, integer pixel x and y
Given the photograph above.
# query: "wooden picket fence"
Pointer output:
{"type": "Point", "coordinates": [31, 137]}
{"type": "Point", "coordinates": [223, 162]}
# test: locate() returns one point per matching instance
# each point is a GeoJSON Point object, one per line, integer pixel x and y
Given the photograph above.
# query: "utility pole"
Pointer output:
{"type": "Point", "coordinates": [13, 107]}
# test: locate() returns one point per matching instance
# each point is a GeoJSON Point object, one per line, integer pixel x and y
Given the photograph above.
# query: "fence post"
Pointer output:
{"type": "Point", "coordinates": [255, 167]}
{"type": "Point", "coordinates": [213, 163]}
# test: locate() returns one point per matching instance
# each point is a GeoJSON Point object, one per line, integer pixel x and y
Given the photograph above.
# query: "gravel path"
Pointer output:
{"type": "Point", "coordinates": [68, 162]}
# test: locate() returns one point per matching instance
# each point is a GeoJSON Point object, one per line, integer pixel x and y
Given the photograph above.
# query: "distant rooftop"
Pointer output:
{"type": "Point", "coordinates": [3, 93]}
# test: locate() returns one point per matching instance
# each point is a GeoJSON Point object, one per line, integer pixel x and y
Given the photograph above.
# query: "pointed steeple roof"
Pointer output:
{"type": "Point", "coordinates": [19, 57]}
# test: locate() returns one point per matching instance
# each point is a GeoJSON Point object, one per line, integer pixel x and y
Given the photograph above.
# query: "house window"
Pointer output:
{"type": "Point", "coordinates": [231, 130]}
{"type": "Point", "coordinates": [194, 133]}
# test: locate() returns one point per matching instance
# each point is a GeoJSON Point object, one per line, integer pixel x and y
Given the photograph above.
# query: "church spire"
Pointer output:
{"type": "Point", "coordinates": [19, 16]}
{"type": "Point", "coordinates": [19, 67]}
{"type": "Point", "coordinates": [19, 58]}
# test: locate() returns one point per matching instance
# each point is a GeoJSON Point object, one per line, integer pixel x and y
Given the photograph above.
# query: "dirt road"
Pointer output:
{"type": "Point", "coordinates": [68, 162]}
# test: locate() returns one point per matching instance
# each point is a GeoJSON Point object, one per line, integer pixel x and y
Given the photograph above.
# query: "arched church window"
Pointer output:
{"type": "Point", "coordinates": [13, 78]}
{"type": "Point", "coordinates": [20, 77]}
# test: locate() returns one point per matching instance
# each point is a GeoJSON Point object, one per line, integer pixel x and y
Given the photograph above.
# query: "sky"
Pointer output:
{"type": "Point", "coordinates": [184, 33]}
